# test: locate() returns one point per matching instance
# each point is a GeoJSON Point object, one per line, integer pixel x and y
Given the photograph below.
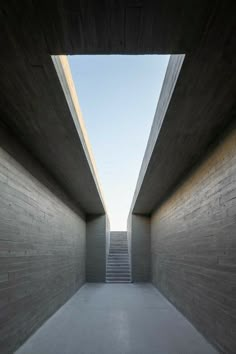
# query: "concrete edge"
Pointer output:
{"type": "Point", "coordinates": [65, 77]}
{"type": "Point", "coordinates": [171, 77]}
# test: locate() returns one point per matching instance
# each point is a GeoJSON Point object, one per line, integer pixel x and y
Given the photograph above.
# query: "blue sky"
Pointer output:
{"type": "Point", "coordinates": [118, 97]}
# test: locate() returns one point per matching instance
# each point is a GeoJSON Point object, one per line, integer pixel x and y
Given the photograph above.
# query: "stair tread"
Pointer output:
{"type": "Point", "coordinates": [127, 273]}
{"type": "Point", "coordinates": [117, 278]}
{"type": "Point", "coordinates": [113, 282]}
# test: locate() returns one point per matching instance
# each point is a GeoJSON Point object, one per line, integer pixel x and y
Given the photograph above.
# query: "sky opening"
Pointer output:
{"type": "Point", "coordinates": [118, 95]}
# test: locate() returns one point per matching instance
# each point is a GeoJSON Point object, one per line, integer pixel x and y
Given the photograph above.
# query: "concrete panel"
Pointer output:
{"type": "Point", "coordinates": [193, 246]}
{"type": "Point", "coordinates": [42, 245]}
{"type": "Point", "coordinates": [96, 234]}
{"type": "Point", "coordinates": [139, 240]}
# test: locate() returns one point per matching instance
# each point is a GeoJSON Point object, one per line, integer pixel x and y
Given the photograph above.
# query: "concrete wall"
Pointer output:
{"type": "Point", "coordinates": [129, 236]}
{"type": "Point", "coordinates": [139, 246]}
{"type": "Point", "coordinates": [96, 234]}
{"type": "Point", "coordinates": [107, 236]}
{"type": "Point", "coordinates": [42, 245]}
{"type": "Point", "coordinates": [193, 246]}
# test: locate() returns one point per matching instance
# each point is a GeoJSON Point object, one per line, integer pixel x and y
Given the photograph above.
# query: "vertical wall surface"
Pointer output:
{"type": "Point", "coordinates": [96, 235]}
{"type": "Point", "coordinates": [139, 238]}
{"type": "Point", "coordinates": [42, 246]}
{"type": "Point", "coordinates": [193, 246]}
{"type": "Point", "coordinates": [107, 236]}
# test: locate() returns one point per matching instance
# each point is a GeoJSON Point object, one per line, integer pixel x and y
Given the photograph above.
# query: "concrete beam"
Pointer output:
{"type": "Point", "coordinates": [171, 77]}
{"type": "Point", "coordinates": [118, 27]}
{"type": "Point", "coordinates": [63, 71]}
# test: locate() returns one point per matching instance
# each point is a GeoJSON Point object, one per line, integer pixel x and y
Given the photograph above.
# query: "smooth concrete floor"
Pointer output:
{"type": "Point", "coordinates": [117, 319]}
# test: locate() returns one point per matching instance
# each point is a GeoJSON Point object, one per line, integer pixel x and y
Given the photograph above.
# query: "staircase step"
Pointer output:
{"type": "Point", "coordinates": [116, 263]}
{"type": "Point", "coordinates": [110, 277]}
{"type": "Point", "coordinates": [118, 255]}
{"type": "Point", "coordinates": [122, 270]}
{"type": "Point", "coordinates": [117, 260]}
{"type": "Point", "coordinates": [117, 282]}
{"type": "Point", "coordinates": [119, 246]}
{"type": "Point", "coordinates": [118, 279]}
{"type": "Point", "coordinates": [126, 273]}
{"type": "Point", "coordinates": [123, 243]}
{"type": "Point", "coordinates": [118, 275]}
{"type": "Point", "coordinates": [117, 266]}
{"type": "Point", "coordinates": [118, 251]}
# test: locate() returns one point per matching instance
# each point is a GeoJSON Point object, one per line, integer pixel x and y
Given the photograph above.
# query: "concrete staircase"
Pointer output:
{"type": "Point", "coordinates": [118, 264]}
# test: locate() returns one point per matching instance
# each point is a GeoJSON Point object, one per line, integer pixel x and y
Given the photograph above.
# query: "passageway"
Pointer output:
{"type": "Point", "coordinates": [55, 258]}
{"type": "Point", "coordinates": [117, 319]}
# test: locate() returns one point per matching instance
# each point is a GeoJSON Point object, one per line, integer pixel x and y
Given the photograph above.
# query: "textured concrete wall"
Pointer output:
{"type": "Point", "coordinates": [42, 246]}
{"type": "Point", "coordinates": [129, 233]}
{"type": "Point", "coordinates": [193, 246]}
{"type": "Point", "coordinates": [139, 236]}
{"type": "Point", "coordinates": [107, 235]}
{"type": "Point", "coordinates": [96, 234]}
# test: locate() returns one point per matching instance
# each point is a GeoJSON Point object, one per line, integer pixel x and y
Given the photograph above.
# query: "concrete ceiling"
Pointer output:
{"type": "Point", "coordinates": [109, 26]}
{"type": "Point", "coordinates": [34, 106]}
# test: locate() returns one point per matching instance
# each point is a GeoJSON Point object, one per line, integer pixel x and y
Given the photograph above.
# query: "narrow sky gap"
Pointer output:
{"type": "Point", "coordinates": [118, 96]}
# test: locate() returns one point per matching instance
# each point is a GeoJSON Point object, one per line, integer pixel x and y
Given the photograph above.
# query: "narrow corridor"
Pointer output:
{"type": "Point", "coordinates": [117, 319]}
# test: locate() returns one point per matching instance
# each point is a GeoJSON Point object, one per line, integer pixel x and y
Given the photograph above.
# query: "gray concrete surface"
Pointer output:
{"type": "Point", "coordinates": [36, 109]}
{"type": "Point", "coordinates": [42, 245]}
{"type": "Point", "coordinates": [193, 246]}
{"type": "Point", "coordinates": [139, 234]}
{"type": "Point", "coordinates": [117, 319]}
{"type": "Point", "coordinates": [96, 229]}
